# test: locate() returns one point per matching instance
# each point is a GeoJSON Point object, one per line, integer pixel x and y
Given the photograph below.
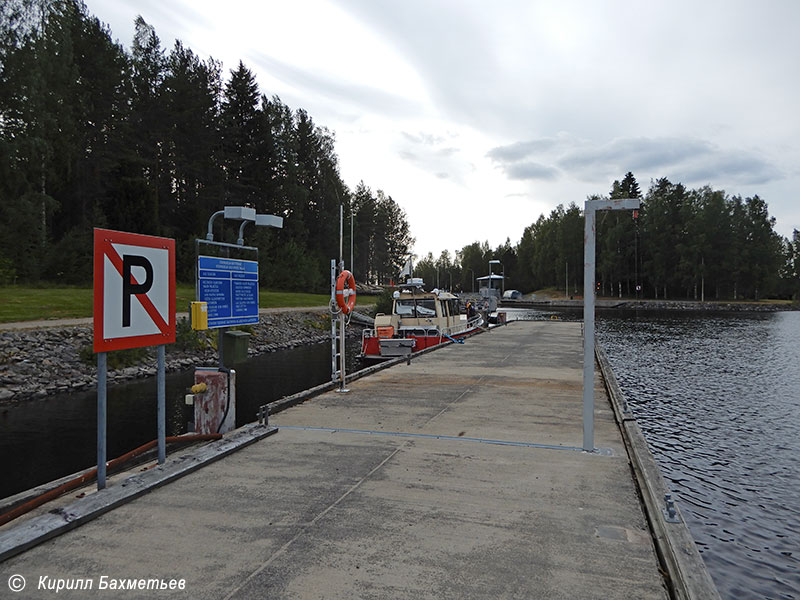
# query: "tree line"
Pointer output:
{"type": "Point", "coordinates": [154, 141]}
{"type": "Point", "coordinates": [682, 243]}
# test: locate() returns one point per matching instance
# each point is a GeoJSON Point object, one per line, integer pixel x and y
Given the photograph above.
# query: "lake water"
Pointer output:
{"type": "Point", "coordinates": [45, 439]}
{"type": "Point", "coordinates": [718, 398]}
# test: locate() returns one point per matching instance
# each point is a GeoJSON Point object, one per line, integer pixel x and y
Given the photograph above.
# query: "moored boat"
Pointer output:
{"type": "Point", "coordinates": [419, 320]}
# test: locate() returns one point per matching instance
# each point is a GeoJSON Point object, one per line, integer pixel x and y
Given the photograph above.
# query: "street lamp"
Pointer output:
{"type": "Point", "coordinates": [261, 221]}
{"type": "Point", "coordinates": [242, 213]}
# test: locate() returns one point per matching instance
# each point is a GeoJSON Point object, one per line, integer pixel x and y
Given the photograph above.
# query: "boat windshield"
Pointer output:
{"type": "Point", "coordinates": [420, 307]}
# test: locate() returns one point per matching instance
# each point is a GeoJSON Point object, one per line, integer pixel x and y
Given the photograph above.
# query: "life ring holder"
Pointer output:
{"type": "Point", "coordinates": [346, 301]}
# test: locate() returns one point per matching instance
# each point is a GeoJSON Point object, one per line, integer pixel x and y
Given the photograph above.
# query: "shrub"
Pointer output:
{"type": "Point", "coordinates": [384, 304]}
{"type": "Point", "coordinates": [116, 359]}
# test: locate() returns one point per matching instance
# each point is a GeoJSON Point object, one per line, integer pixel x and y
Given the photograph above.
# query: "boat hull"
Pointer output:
{"type": "Point", "coordinates": [371, 344]}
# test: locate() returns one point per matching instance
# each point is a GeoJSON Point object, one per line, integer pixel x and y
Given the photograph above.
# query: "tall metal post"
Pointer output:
{"type": "Point", "coordinates": [588, 307]}
{"type": "Point", "coordinates": [220, 346]}
{"type": "Point", "coordinates": [352, 266]}
{"type": "Point", "coordinates": [341, 232]}
{"type": "Point", "coordinates": [162, 405]}
{"type": "Point", "coordinates": [102, 369]}
{"type": "Point", "coordinates": [342, 351]}
{"type": "Point", "coordinates": [342, 355]}
{"type": "Point", "coordinates": [588, 328]}
{"type": "Point", "coordinates": [334, 370]}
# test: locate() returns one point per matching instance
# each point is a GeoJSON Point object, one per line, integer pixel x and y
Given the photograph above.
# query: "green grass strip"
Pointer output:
{"type": "Point", "coordinates": [19, 303]}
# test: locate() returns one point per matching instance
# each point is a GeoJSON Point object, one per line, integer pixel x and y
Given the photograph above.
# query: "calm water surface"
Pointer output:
{"type": "Point", "coordinates": [718, 398]}
{"type": "Point", "coordinates": [43, 440]}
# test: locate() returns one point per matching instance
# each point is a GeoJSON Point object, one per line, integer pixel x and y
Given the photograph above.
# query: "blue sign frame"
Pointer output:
{"type": "Point", "coordinates": [229, 286]}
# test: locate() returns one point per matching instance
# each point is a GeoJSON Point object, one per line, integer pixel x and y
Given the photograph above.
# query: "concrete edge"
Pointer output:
{"type": "Point", "coordinates": [686, 573]}
{"type": "Point", "coordinates": [11, 502]}
{"type": "Point", "coordinates": [18, 539]}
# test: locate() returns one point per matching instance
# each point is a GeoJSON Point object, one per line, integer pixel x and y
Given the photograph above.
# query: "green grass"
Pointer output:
{"type": "Point", "coordinates": [29, 303]}
{"type": "Point", "coordinates": [18, 303]}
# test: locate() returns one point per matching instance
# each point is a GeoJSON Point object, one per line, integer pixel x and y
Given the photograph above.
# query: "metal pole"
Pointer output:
{"type": "Point", "coordinates": [210, 234]}
{"type": "Point", "coordinates": [341, 230]}
{"type": "Point", "coordinates": [102, 368]}
{"type": "Point", "coordinates": [352, 266]}
{"type": "Point", "coordinates": [162, 404]}
{"type": "Point", "coordinates": [588, 328]}
{"type": "Point", "coordinates": [342, 358]}
{"type": "Point", "coordinates": [220, 352]}
{"type": "Point", "coordinates": [588, 307]}
{"type": "Point", "coordinates": [333, 320]}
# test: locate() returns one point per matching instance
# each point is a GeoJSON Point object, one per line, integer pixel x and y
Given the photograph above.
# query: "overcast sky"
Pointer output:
{"type": "Point", "coordinates": [477, 117]}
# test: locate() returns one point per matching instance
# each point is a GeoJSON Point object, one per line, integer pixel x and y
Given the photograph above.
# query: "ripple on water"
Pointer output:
{"type": "Point", "coordinates": [718, 398]}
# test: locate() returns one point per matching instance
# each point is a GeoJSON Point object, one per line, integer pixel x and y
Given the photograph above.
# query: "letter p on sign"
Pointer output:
{"type": "Point", "coordinates": [134, 290]}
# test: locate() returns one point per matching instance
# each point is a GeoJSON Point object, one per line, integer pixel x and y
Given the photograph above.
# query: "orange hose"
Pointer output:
{"type": "Point", "coordinates": [90, 475]}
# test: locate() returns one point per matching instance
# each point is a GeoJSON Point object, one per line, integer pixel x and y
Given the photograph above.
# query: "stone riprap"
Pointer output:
{"type": "Point", "coordinates": [35, 363]}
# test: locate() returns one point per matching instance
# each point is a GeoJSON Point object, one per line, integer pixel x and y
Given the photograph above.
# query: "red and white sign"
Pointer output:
{"type": "Point", "coordinates": [134, 290]}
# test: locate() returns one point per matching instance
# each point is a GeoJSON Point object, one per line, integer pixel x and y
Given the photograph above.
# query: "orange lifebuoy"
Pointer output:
{"type": "Point", "coordinates": [346, 296]}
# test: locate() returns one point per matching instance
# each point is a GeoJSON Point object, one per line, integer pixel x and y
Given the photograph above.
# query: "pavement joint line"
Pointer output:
{"type": "Point", "coordinates": [313, 522]}
{"type": "Point", "coordinates": [433, 436]}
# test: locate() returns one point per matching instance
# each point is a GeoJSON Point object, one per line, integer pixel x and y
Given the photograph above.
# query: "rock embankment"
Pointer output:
{"type": "Point", "coordinates": [35, 363]}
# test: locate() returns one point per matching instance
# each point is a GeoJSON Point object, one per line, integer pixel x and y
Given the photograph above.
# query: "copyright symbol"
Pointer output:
{"type": "Point", "coordinates": [16, 583]}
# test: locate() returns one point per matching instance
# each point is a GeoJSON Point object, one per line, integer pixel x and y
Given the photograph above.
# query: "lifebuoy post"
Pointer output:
{"type": "Point", "coordinates": [343, 301]}
{"type": "Point", "coordinates": [346, 292]}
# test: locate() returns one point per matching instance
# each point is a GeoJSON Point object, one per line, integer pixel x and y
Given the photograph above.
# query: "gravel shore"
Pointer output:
{"type": "Point", "coordinates": [39, 362]}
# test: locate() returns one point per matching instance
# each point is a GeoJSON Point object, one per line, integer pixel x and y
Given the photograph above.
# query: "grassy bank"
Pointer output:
{"type": "Point", "coordinates": [18, 303]}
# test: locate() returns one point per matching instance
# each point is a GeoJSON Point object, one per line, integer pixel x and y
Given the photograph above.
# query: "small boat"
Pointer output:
{"type": "Point", "coordinates": [419, 320]}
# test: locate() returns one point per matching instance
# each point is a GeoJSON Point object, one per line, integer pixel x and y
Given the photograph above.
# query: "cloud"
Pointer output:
{"type": "Point", "coordinates": [427, 152]}
{"type": "Point", "coordinates": [686, 159]}
{"type": "Point", "coordinates": [520, 150]}
{"type": "Point", "coordinates": [428, 139]}
{"type": "Point", "coordinates": [352, 94]}
{"type": "Point", "coordinates": [530, 170]}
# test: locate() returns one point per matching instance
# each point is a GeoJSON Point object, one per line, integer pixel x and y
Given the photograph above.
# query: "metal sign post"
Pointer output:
{"type": "Point", "coordinates": [588, 307]}
{"type": "Point", "coordinates": [102, 370]}
{"type": "Point", "coordinates": [134, 306]}
{"type": "Point", "coordinates": [162, 405]}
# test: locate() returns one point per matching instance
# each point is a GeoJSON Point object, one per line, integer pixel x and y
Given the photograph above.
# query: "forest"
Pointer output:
{"type": "Point", "coordinates": [154, 141]}
{"type": "Point", "coordinates": [681, 244]}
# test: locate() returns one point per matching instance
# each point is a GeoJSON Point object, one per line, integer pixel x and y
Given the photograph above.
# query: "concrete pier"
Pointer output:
{"type": "Point", "coordinates": [458, 476]}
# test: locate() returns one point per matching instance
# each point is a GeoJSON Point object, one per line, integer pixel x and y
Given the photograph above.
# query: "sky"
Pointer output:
{"type": "Point", "coordinates": [477, 117]}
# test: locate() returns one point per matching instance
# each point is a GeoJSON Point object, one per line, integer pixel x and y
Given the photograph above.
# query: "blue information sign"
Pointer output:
{"type": "Point", "coordinates": [230, 288]}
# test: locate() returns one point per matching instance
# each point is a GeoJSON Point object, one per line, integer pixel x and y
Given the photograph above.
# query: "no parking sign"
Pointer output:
{"type": "Point", "coordinates": [134, 290]}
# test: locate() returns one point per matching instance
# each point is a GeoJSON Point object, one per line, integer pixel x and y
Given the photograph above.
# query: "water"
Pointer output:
{"type": "Point", "coordinates": [43, 440]}
{"type": "Point", "coordinates": [718, 398]}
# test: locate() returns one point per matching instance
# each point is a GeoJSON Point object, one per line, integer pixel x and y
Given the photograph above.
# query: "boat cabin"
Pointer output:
{"type": "Point", "coordinates": [417, 312]}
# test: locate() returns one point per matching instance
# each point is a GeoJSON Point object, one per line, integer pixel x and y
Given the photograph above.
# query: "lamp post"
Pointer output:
{"type": "Point", "coordinates": [590, 208]}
